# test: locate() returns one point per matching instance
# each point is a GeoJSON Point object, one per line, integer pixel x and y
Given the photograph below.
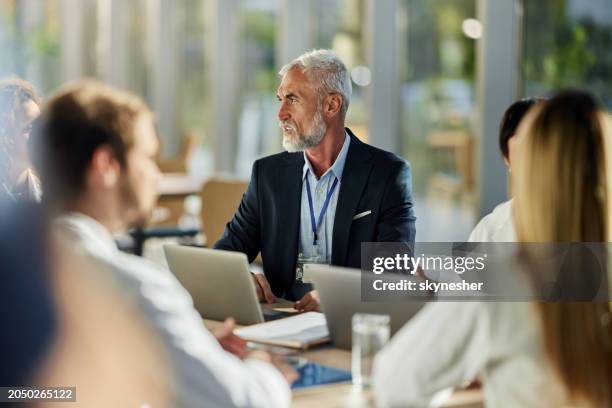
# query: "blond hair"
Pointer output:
{"type": "Point", "coordinates": [562, 194]}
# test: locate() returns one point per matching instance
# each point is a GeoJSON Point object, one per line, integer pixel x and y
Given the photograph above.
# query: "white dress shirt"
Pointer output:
{"type": "Point", "coordinates": [203, 373]}
{"type": "Point", "coordinates": [319, 190]}
{"type": "Point", "coordinates": [448, 344]}
{"type": "Point", "coordinates": [496, 226]}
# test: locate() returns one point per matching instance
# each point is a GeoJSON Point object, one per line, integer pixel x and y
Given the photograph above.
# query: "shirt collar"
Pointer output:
{"type": "Point", "coordinates": [338, 167]}
{"type": "Point", "coordinates": [86, 230]}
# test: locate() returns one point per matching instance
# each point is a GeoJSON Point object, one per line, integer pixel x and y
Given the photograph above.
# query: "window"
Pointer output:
{"type": "Point", "coordinates": [339, 25]}
{"type": "Point", "coordinates": [29, 42]}
{"type": "Point", "coordinates": [259, 134]}
{"type": "Point", "coordinates": [437, 99]}
{"type": "Point", "coordinates": [567, 43]}
{"type": "Point", "coordinates": [194, 92]}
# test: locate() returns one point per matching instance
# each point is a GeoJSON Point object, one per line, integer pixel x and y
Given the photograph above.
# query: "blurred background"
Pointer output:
{"type": "Point", "coordinates": [431, 78]}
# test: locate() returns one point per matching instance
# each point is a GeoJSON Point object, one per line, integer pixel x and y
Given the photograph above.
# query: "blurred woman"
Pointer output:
{"type": "Point", "coordinates": [19, 107]}
{"type": "Point", "coordinates": [527, 354]}
{"type": "Point", "coordinates": [497, 226]}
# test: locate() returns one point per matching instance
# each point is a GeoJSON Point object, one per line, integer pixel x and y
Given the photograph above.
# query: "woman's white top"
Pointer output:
{"type": "Point", "coordinates": [496, 226]}
{"type": "Point", "coordinates": [447, 345]}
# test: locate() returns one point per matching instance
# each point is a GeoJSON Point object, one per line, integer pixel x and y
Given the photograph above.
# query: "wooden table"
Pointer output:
{"type": "Point", "coordinates": [345, 394]}
{"type": "Point", "coordinates": [179, 184]}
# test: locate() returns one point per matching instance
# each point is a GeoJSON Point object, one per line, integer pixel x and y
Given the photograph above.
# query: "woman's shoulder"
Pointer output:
{"type": "Point", "coordinates": [503, 210]}
{"type": "Point", "coordinates": [489, 227]}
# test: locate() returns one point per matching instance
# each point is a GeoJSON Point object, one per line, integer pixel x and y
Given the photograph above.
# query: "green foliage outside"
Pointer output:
{"type": "Point", "coordinates": [563, 51]}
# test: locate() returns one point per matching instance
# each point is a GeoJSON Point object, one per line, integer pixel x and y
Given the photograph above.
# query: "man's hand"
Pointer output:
{"type": "Point", "coordinates": [309, 303]}
{"type": "Point", "coordinates": [228, 340]}
{"type": "Point", "coordinates": [277, 361]}
{"type": "Point", "coordinates": [264, 292]}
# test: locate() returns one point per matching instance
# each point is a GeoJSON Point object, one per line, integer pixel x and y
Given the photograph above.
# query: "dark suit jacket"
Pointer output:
{"type": "Point", "coordinates": [268, 219]}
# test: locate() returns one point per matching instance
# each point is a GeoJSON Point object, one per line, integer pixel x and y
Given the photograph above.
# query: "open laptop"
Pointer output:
{"type": "Point", "coordinates": [219, 282]}
{"type": "Point", "coordinates": [340, 295]}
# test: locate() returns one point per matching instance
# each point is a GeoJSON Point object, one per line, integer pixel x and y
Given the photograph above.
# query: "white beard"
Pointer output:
{"type": "Point", "coordinates": [301, 142]}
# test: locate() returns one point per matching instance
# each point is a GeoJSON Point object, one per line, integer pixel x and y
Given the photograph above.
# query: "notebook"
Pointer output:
{"type": "Point", "coordinates": [301, 331]}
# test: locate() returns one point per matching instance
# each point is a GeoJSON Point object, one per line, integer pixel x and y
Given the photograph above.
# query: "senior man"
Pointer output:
{"type": "Point", "coordinates": [324, 196]}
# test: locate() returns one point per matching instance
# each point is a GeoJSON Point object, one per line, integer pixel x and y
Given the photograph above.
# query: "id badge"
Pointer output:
{"type": "Point", "coordinates": [301, 274]}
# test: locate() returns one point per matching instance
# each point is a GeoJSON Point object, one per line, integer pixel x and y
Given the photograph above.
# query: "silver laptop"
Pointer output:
{"type": "Point", "coordinates": [340, 295]}
{"type": "Point", "coordinates": [219, 282]}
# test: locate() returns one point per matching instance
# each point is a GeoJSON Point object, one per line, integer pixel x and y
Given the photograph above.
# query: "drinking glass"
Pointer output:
{"type": "Point", "coordinates": [370, 334]}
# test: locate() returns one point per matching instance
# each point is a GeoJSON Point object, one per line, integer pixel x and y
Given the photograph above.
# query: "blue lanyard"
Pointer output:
{"type": "Point", "coordinates": [315, 226]}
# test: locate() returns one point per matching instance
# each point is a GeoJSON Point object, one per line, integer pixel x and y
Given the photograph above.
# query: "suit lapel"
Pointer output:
{"type": "Point", "coordinates": [289, 191]}
{"type": "Point", "coordinates": [354, 177]}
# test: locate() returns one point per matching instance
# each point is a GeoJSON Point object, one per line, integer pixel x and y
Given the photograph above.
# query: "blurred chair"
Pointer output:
{"type": "Point", "coordinates": [178, 163]}
{"type": "Point", "coordinates": [220, 200]}
{"type": "Point", "coordinates": [361, 131]}
{"type": "Point", "coordinates": [456, 147]}
{"type": "Point", "coordinates": [173, 189]}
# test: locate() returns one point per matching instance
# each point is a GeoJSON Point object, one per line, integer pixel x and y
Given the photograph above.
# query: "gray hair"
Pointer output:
{"type": "Point", "coordinates": [326, 71]}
